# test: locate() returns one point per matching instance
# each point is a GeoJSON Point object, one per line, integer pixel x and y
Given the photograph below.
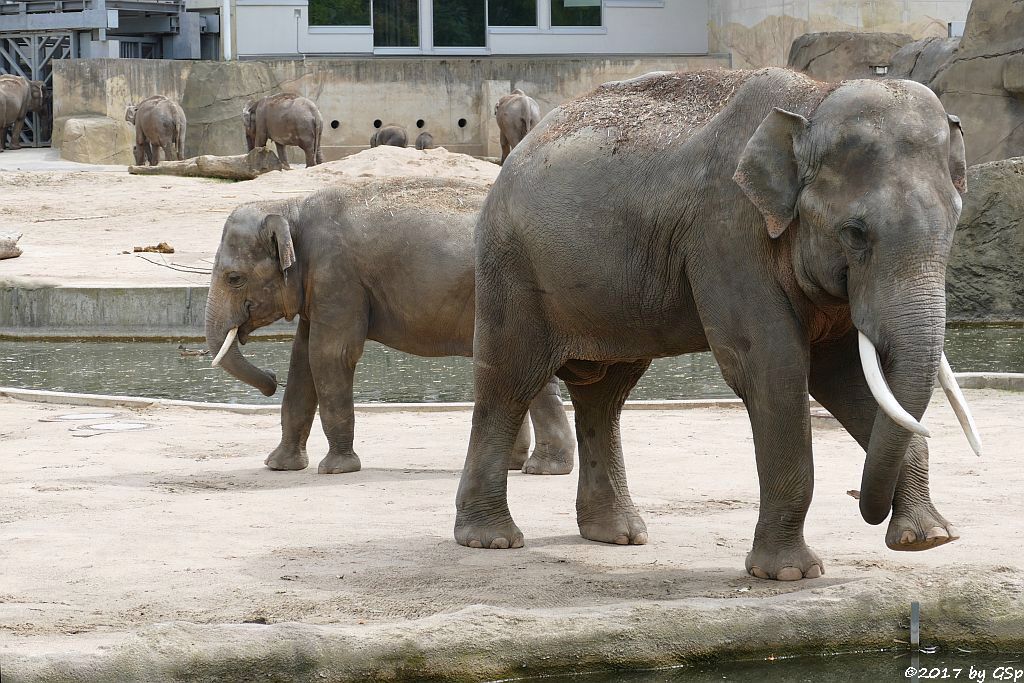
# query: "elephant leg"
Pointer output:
{"type": "Point", "coordinates": [297, 409]}
{"type": "Point", "coordinates": [837, 382]}
{"type": "Point", "coordinates": [503, 389]}
{"type": "Point", "coordinates": [604, 509]}
{"type": "Point", "coordinates": [521, 448]}
{"type": "Point", "coordinates": [310, 156]}
{"type": "Point", "coordinates": [16, 133]}
{"type": "Point", "coordinates": [282, 154]}
{"type": "Point", "coordinates": [333, 354]}
{"type": "Point", "coordinates": [506, 149]}
{"type": "Point", "coordinates": [555, 445]}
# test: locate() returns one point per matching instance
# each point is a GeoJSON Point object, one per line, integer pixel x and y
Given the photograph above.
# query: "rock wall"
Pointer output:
{"type": "Point", "coordinates": [453, 98]}
{"type": "Point", "coordinates": [922, 60]}
{"type": "Point", "coordinates": [836, 55]}
{"type": "Point", "coordinates": [985, 276]}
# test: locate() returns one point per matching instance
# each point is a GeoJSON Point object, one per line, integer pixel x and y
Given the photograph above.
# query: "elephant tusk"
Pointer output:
{"type": "Point", "coordinates": [959, 404]}
{"type": "Point", "coordinates": [872, 365]}
{"type": "Point", "coordinates": [228, 341]}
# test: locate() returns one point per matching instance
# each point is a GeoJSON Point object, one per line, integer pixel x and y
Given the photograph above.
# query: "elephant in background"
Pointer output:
{"type": "Point", "coordinates": [287, 119]}
{"type": "Point", "coordinates": [18, 97]}
{"type": "Point", "coordinates": [424, 141]}
{"type": "Point", "coordinates": [159, 124]}
{"type": "Point", "coordinates": [390, 134]}
{"type": "Point", "coordinates": [397, 271]}
{"type": "Point", "coordinates": [517, 114]}
{"type": "Point", "coordinates": [797, 229]}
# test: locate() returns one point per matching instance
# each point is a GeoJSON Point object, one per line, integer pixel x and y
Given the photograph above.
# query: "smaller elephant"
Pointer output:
{"type": "Point", "coordinates": [390, 134]}
{"type": "Point", "coordinates": [425, 141]}
{"type": "Point", "coordinates": [517, 114]}
{"type": "Point", "coordinates": [287, 119]}
{"type": "Point", "coordinates": [159, 124]}
{"type": "Point", "coordinates": [18, 97]}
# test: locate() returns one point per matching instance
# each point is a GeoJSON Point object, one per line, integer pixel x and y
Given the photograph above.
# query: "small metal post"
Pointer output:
{"type": "Point", "coordinates": [915, 626]}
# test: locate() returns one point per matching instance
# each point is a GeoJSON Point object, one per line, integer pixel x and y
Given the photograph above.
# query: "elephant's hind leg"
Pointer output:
{"type": "Point", "coordinates": [837, 382]}
{"type": "Point", "coordinates": [282, 154]}
{"type": "Point", "coordinates": [604, 509]}
{"type": "Point", "coordinates": [555, 445]}
{"type": "Point", "coordinates": [297, 409]}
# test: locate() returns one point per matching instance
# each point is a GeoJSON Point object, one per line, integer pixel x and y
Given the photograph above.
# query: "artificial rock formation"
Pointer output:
{"type": "Point", "coordinates": [838, 55]}
{"type": "Point", "coordinates": [985, 276]}
{"type": "Point", "coordinates": [922, 60]}
{"type": "Point", "coordinates": [95, 140]}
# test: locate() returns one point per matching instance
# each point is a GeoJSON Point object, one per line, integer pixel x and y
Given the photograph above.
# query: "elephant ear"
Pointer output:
{"type": "Point", "coordinates": [247, 112]}
{"type": "Point", "coordinates": [277, 235]}
{"type": "Point", "coordinates": [957, 154]}
{"type": "Point", "coordinates": [768, 172]}
{"type": "Point", "coordinates": [129, 113]}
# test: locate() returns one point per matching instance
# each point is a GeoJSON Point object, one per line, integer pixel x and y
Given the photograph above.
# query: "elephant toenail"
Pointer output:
{"type": "Point", "coordinates": [640, 539]}
{"type": "Point", "coordinates": [499, 544]}
{"type": "Point", "coordinates": [908, 537]}
{"type": "Point", "coordinates": [953, 533]}
{"type": "Point", "coordinates": [814, 572]}
{"type": "Point", "coordinates": [790, 574]}
{"type": "Point", "coordinates": [936, 532]}
{"type": "Point", "coordinates": [475, 544]}
{"type": "Point", "coordinates": [622, 540]}
{"type": "Point", "coordinates": [759, 573]}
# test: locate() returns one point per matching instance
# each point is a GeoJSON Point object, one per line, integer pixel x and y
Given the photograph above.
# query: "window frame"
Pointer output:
{"type": "Point", "coordinates": [579, 30]}
{"type": "Point", "coordinates": [339, 28]}
{"type": "Point", "coordinates": [526, 28]}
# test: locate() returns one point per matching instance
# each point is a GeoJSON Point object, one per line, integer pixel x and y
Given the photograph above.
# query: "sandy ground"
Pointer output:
{"type": "Point", "coordinates": [113, 533]}
{"type": "Point", "coordinates": [78, 220]}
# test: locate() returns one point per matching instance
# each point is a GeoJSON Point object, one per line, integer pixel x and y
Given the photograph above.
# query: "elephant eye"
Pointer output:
{"type": "Point", "coordinates": [236, 279]}
{"type": "Point", "coordinates": [854, 235]}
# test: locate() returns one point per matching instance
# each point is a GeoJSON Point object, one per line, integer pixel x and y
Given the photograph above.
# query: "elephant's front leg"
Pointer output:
{"type": "Point", "coordinates": [282, 154]}
{"type": "Point", "coordinates": [769, 372]}
{"type": "Point", "coordinates": [333, 354]}
{"type": "Point", "coordinates": [297, 409]}
{"type": "Point", "coordinates": [837, 382]}
{"type": "Point", "coordinates": [604, 509]}
{"type": "Point", "coordinates": [555, 445]}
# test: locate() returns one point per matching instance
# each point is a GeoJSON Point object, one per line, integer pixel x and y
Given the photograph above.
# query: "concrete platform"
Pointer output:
{"type": "Point", "coordinates": [170, 553]}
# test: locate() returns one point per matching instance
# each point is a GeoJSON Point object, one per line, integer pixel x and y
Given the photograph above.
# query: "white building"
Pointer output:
{"type": "Point", "coordinates": [290, 28]}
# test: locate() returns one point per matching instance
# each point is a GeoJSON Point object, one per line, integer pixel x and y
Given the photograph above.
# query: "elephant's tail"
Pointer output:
{"type": "Point", "coordinates": [318, 155]}
{"type": "Point", "coordinates": [179, 134]}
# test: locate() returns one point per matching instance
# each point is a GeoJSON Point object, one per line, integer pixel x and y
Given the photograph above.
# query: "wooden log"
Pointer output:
{"type": "Point", "coordinates": [239, 167]}
{"type": "Point", "coordinates": [9, 246]}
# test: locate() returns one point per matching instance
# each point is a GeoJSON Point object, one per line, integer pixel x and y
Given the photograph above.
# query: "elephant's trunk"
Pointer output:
{"type": "Point", "coordinates": [903, 355]}
{"type": "Point", "coordinates": [218, 327]}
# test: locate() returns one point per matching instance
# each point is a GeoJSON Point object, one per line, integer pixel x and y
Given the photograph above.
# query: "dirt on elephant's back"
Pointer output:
{"type": "Point", "coordinates": [442, 195]}
{"type": "Point", "coordinates": [646, 106]}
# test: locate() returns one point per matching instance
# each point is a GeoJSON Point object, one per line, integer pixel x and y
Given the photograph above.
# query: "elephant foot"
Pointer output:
{"type": "Point", "coordinates": [518, 458]}
{"type": "Point", "coordinates": [608, 525]}
{"type": "Point", "coordinates": [918, 528]}
{"type": "Point", "coordinates": [547, 460]}
{"type": "Point", "coordinates": [287, 458]}
{"type": "Point", "coordinates": [14, 146]}
{"type": "Point", "coordinates": [339, 463]}
{"type": "Point", "coordinates": [784, 563]}
{"type": "Point", "coordinates": [496, 532]}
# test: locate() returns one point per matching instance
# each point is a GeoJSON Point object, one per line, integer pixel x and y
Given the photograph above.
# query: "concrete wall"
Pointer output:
{"type": "Point", "coordinates": [270, 28]}
{"type": "Point", "coordinates": [351, 92]}
{"type": "Point", "coordinates": [759, 32]}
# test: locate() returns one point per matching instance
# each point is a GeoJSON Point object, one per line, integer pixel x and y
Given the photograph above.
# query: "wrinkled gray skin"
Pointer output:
{"type": "Point", "coordinates": [159, 124]}
{"type": "Point", "coordinates": [287, 119]}
{"type": "Point", "coordinates": [769, 236]}
{"type": "Point", "coordinates": [517, 114]}
{"type": "Point", "coordinates": [398, 276]}
{"type": "Point", "coordinates": [18, 97]}
{"type": "Point", "coordinates": [424, 141]}
{"type": "Point", "coordinates": [389, 135]}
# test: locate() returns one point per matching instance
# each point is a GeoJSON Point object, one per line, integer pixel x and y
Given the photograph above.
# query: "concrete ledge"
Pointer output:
{"type": "Point", "coordinates": [486, 643]}
{"type": "Point", "coordinates": [1006, 381]}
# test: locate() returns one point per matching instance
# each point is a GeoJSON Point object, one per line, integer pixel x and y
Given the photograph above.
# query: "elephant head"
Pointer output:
{"type": "Point", "coordinates": [37, 98]}
{"type": "Point", "coordinates": [129, 113]}
{"type": "Point", "coordinates": [255, 281]}
{"type": "Point", "coordinates": [249, 122]}
{"type": "Point", "coordinates": [865, 196]}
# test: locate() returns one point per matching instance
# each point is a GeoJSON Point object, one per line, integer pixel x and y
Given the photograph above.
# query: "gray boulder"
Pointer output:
{"type": "Point", "coordinates": [985, 275]}
{"type": "Point", "coordinates": [922, 60]}
{"type": "Point", "coordinates": [839, 55]}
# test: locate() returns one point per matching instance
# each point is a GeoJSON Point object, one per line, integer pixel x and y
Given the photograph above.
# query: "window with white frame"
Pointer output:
{"type": "Point", "coordinates": [460, 23]}
{"type": "Point", "coordinates": [571, 13]}
{"type": "Point", "coordinates": [515, 13]}
{"type": "Point", "coordinates": [339, 12]}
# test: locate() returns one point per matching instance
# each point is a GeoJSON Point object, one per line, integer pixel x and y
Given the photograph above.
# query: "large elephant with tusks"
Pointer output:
{"type": "Point", "coordinates": [799, 230]}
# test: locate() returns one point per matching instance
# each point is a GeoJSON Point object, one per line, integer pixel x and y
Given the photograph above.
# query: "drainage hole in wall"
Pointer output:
{"type": "Point", "coordinates": [420, 123]}
{"type": "Point", "coordinates": [335, 123]}
{"type": "Point", "coordinates": [378, 123]}
{"type": "Point", "coordinates": [462, 123]}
